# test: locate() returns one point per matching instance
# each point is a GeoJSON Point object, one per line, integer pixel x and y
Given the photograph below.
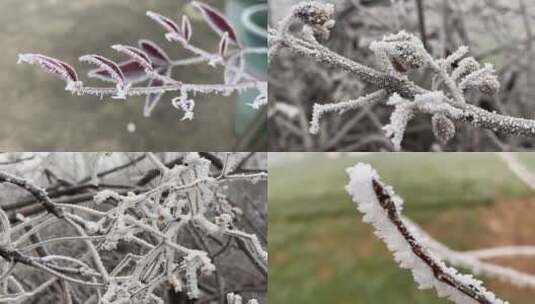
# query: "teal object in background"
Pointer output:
{"type": "Point", "coordinates": [249, 18]}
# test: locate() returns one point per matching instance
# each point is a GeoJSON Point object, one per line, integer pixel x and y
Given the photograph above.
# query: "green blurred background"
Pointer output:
{"type": "Point", "coordinates": [321, 252]}
{"type": "Point", "coordinates": [38, 115]}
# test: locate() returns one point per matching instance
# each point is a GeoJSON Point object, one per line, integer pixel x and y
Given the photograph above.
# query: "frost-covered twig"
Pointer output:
{"type": "Point", "coordinates": [397, 55]}
{"type": "Point", "coordinates": [471, 259]}
{"type": "Point", "coordinates": [147, 227]}
{"type": "Point", "coordinates": [151, 64]}
{"type": "Point", "coordinates": [382, 209]}
{"type": "Point", "coordinates": [37, 192]}
{"type": "Point", "coordinates": [320, 109]}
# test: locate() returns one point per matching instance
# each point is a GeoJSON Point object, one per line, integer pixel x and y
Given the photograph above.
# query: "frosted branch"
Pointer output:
{"type": "Point", "coordinates": [397, 55]}
{"type": "Point", "coordinates": [191, 193]}
{"type": "Point", "coordinates": [382, 209]}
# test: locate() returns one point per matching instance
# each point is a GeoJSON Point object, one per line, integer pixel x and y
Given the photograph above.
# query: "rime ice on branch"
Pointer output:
{"type": "Point", "coordinates": [397, 55]}
{"type": "Point", "coordinates": [149, 224]}
{"type": "Point", "coordinates": [151, 65]}
{"type": "Point", "coordinates": [382, 209]}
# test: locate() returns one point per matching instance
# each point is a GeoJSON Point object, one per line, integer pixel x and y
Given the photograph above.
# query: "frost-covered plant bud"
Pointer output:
{"type": "Point", "coordinates": [409, 56]}
{"type": "Point", "coordinates": [489, 85]}
{"type": "Point", "coordinates": [405, 51]}
{"type": "Point", "coordinates": [466, 66]}
{"type": "Point", "coordinates": [443, 128]}
{"type": "Point", "coordinates": [314, 13]}
{"type": "Point", "coordinates": [484, 79]}
{"type": "Point", "coordinates": [317, 15]}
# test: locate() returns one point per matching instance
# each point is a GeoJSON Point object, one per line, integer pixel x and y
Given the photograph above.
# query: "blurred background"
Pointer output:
{"type": "Point", "coordinates": [321, 252]}
{"type": "Point", "coordinates": [499, 32]}
{"type": "Point", "coordinates": [38, 114]}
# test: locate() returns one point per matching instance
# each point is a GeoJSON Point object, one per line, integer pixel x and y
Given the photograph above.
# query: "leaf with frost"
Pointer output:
{"type": "Point", "coordinates": [54, 66]}
{"type": "Point", "coordinates": [223, 45]}
{"type": "Point", "coordinates": [113, 69]}
{"type": "Point", "coordinates": [132, 70]}
{"type": "Point", "coordinates": [106, 64]}
{"type": "Point", "coordinates": [217, 21]}
{"type": "Point", "coordinates": [158, 56]}
{"type": "Point", "coordinates": [169, 25]}
{"type": "Point", "coordinates": [186, 28]}
{"type": "Point", "coordinates": [136, 54]}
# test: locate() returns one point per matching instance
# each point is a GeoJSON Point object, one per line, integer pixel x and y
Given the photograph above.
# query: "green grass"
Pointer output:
{"type": "Point", "coordinates": [321, 252]}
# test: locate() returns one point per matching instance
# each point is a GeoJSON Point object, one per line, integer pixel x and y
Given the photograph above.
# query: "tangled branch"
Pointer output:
{"type": "Point", "coordinates": [145, 228]}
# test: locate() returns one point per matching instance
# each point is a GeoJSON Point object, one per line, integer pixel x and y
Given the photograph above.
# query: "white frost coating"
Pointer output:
{"type": "Point", "coordinates": [104, 195]}
{"type": "Point", "coordinates": [399, 119]}
{"type": "Point", "coordinates": [361, 189]}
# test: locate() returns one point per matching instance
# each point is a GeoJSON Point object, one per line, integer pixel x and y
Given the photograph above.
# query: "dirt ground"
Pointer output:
{"type": "Point", "coordinates": [37, 114]}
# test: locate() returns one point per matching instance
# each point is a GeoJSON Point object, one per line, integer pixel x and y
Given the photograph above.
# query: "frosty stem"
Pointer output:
{"type": "Point", "coordinates": [382, 209]}
{"type": "Point", "coordinates": [387, 203]}
{"type": "Point", "coordinates": [392, 81]}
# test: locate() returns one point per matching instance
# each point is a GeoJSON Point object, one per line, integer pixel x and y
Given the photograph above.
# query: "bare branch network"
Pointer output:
{"type": "Point", "coordinates": [135, 238]}
{"type": "Point", "coordinates": [396, 55]}
{"type": "Point", "coordinates": [415, 250]}
{"type": "Point", "coordinates": [149, 62]}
